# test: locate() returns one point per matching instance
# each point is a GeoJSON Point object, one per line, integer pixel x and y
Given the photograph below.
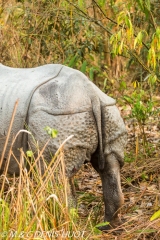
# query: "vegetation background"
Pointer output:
{"type": "Point", "coordinates": [117, 44]}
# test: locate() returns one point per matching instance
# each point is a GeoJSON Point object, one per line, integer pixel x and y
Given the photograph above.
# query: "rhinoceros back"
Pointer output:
{"type": "Point", "coordinates": [70, 91]}
{"type": "Point", "coordinates": [19, 84]}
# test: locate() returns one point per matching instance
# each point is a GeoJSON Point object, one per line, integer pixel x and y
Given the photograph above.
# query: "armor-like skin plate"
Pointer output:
{"type": "Point", "coordinates": [65, 99]}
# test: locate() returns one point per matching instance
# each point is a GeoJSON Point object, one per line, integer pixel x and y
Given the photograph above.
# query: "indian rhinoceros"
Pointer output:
{"type": "Point", "coordinates": [65, 99]}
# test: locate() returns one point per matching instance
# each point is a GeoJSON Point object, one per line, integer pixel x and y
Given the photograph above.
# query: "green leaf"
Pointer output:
{"type": "Point", "coordinates": [128, 99]}
{"type": "Point", "coordinates": [18, 12]}
{"type": "Point", "coordinates": [29, 154]}
{"type": "Point", "coordinates": [91, 73]}
{"type": "Point", "coordinates": [119, 35]}
{"type": "Point", "coordinates": [73, 213]}
{"type": "Point", "coordinates": [141, 5]}
{"type": "Point", "coordinates": [102, 3]}
{"type": "Point", "coordinates": [72, 61]}
{"type": "Point", "coordinates": [96, 230]}
{"type": "Point", "coordinates": [83, 67]}
{"type": "Point", "coordinates": [158, 34]}
{"type": "Point", "coordinates": [123, 85]}
{"type": "Point", "coordinates": [148, 4]}
{"type": "Point", "coordinates": [102, 224]}
{"type": "Point", "coordinates": [121, 17]}
{"type": "Point", "coordinates": [155, 215]}
{"type": "Point", "coordinates": [81, 4]}
{"type": "Point", "coordinates": [139, 37]}
{"type": "Point", "coordinates": [51, 132]}
{"type": "Point", "coordinates": [128, 22]}
{"type": "Point", "coordinates": [54, 133]}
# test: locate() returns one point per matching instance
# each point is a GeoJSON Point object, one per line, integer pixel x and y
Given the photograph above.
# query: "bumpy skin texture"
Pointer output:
{"type": "Point", "coordinates": [73, 105]}
{"type": "Point", "coordinates": [114, 141]}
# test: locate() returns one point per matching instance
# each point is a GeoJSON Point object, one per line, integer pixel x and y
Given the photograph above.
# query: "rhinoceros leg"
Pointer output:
{"type": "Point", "coordinates": [112, 194]}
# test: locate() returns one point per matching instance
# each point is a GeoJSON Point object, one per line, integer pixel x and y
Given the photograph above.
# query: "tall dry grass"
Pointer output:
{"type": "Point", "coordinates": [34, 206]}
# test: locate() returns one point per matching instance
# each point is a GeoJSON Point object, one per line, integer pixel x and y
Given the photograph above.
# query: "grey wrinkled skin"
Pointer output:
{"type": "Point", "coordinates": [64, 99]}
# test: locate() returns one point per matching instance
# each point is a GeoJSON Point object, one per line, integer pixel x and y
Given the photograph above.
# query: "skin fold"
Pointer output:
{"type": "Point", "coordinates": [65, 99]}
